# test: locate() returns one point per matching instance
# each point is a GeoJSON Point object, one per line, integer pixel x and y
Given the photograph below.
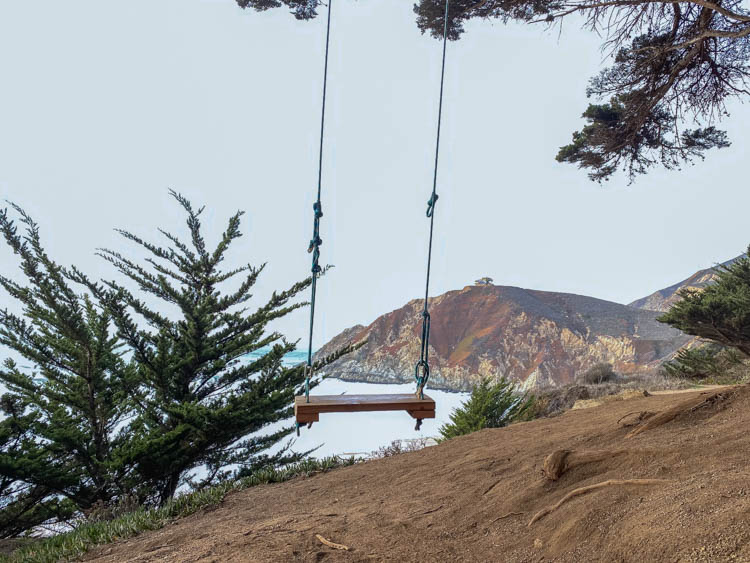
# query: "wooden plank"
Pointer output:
{"type": "Point", "coordinates": [362, 403]}
{"type": "Point", "coordinates": [422, 414]}
{"type": "Point", "coordinates": [304, 418]}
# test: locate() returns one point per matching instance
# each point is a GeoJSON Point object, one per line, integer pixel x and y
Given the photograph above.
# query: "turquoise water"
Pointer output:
{"type": "Point", "coordinates": [361, 433]}
{"type": "Point", "coordinates": [291, 359]}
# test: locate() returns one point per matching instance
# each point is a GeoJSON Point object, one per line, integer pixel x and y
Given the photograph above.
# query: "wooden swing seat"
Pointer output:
{"type": "Point", "coordinates": [307, 412]}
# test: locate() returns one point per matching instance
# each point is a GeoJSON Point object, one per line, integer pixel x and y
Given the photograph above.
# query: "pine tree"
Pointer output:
{"type": "Point", "coordinates": [709, 362]}
{"type": "Point", "coordinates": [199, 402]}
{"type": "Point", "coordinates": [491, 405]}
{"type": "Point", "coordinates": [719, 313]}
{"type": "Point", "coordinates": [60, 441]}
{"type": "Point", "coordinates": [24, 505]}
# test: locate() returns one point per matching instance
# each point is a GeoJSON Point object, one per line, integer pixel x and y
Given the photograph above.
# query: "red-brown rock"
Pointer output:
{"type": "Point", "coordinates": [534, 337]}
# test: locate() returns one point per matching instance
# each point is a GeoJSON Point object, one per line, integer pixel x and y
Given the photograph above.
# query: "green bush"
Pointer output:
{"type": "Point", "coordinates": [491, 405]}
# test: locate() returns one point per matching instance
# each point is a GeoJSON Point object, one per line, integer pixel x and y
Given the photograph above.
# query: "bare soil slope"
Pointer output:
{"type": "Point", "coordinates": [659, 478]}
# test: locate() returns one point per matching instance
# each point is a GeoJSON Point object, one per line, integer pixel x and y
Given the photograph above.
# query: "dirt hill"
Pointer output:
{"type": "Point", "coordinates": [662, 478]}
{"type": "Point", "coordinates": [534, 337]}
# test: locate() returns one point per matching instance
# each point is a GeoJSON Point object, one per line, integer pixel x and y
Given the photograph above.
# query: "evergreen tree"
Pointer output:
{"type": "Point", "coordinates": [60, 441]}
{"type": "Point", "coordinates": [709, 362]}
{"type": "Point", "coordinates": [23, 505]}
{"type": "Point", "coordinates": [199, 402]}
{"type": "Point", "coordinates": [491, 405]}
{"type": "Point", "coordinates": [719, 313]}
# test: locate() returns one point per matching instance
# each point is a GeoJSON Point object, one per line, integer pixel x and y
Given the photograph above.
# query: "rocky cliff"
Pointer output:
{"type": "Point", "coordinates": [663, 299]}
{"type": "Point", "coordinates": [534, 337]}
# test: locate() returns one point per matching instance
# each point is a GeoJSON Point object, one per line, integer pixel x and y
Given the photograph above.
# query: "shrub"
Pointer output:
{"type": "Point", "coordinates": [552, 401]}
{"type": "Point", "coordinates": [397, 447]}
{"type": "Point", "coordinates": [597, 374]}
{"type": "Point", "coordinates": [491, 405]}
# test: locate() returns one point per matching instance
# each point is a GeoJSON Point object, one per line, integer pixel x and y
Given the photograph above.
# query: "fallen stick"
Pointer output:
{"type": "Point", "coordinates": [642, 415]}
{"type": "Point", "coordinates": [507, 516]}
{"type": "Point", "coordinates": [670, 414]}
{"type": "Point", "coordinates": [330, 544]}
{"type": "Point", "coordinates": [583, 490]}
{"type": "Point", "coordinates": [430, 511]}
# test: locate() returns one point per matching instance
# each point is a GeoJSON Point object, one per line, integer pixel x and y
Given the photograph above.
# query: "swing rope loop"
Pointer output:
{"type": "Point", "coordinates": [316, 241]}
{"type": "Point", "coordinates": [422, 369]}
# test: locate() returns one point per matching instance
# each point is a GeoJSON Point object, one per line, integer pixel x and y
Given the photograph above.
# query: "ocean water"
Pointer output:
{"type": "Point", "coordinates": [290, 359]}
{"type": "Point", "coordinates": [362, 433]}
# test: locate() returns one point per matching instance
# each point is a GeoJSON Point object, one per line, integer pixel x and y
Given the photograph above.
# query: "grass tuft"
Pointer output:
{"type": "Point", "coordinates": [74, 544]}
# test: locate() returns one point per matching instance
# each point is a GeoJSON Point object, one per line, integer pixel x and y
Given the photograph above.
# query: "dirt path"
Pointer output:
{"type": "Point", "coordinates": [701, 388]}
{"type": "Point", "coordinates": [473, 498]}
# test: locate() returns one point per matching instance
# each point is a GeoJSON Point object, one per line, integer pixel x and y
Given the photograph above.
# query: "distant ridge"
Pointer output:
{"type": "Point", "coordinates": [663, 299]}
{"type": "Point", "coordinates": [534, 337]}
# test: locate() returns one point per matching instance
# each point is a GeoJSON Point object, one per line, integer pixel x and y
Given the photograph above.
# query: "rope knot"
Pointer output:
{"type": "Point", "coordinates": [308, 375]}
{"type": "Point", "coordinates": [318, 209]}
{"type": "Point", "coordinates": [314, 243]}
{"type": "Point", "coordinates": [431, 204]}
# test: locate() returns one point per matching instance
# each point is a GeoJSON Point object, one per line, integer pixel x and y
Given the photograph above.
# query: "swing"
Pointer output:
{"type": "Point", "coordinates": [307, 409]}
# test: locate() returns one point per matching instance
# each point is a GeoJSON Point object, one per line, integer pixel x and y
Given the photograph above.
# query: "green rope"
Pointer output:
{"type": "Point", "coordinates": [316, 241]}
{"type": "Point", "coordinates": [422, 369]}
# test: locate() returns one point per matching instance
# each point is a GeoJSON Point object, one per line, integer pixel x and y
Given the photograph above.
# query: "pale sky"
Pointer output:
{"type": "Point", "coordinates": [105, 105]}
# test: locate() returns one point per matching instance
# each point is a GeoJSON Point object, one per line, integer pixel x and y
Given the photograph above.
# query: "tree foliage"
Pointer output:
{"type": "Point", "coordinates": [708, 362]}
{"type": "Point", "coordinates": [673, 63]}
{"type": "Point", "coordinates": [301, 9]}
{"type": "Point", "coordinates": [719, 313]}
{"type": "Point", "coordinates": [130, 389]}
{"type": "Point", "coordinates": [24, 503]}
{"type": "Point", "coordinates": [491, 405]}
{"type": "Point", "coordinates": [61, 449]}
{"type": "Point", "coordinates": [198, 402]}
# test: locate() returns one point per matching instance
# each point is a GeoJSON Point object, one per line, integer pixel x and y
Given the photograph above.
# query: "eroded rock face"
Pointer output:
{"type": "Point", "coordinates": [535, 337]}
